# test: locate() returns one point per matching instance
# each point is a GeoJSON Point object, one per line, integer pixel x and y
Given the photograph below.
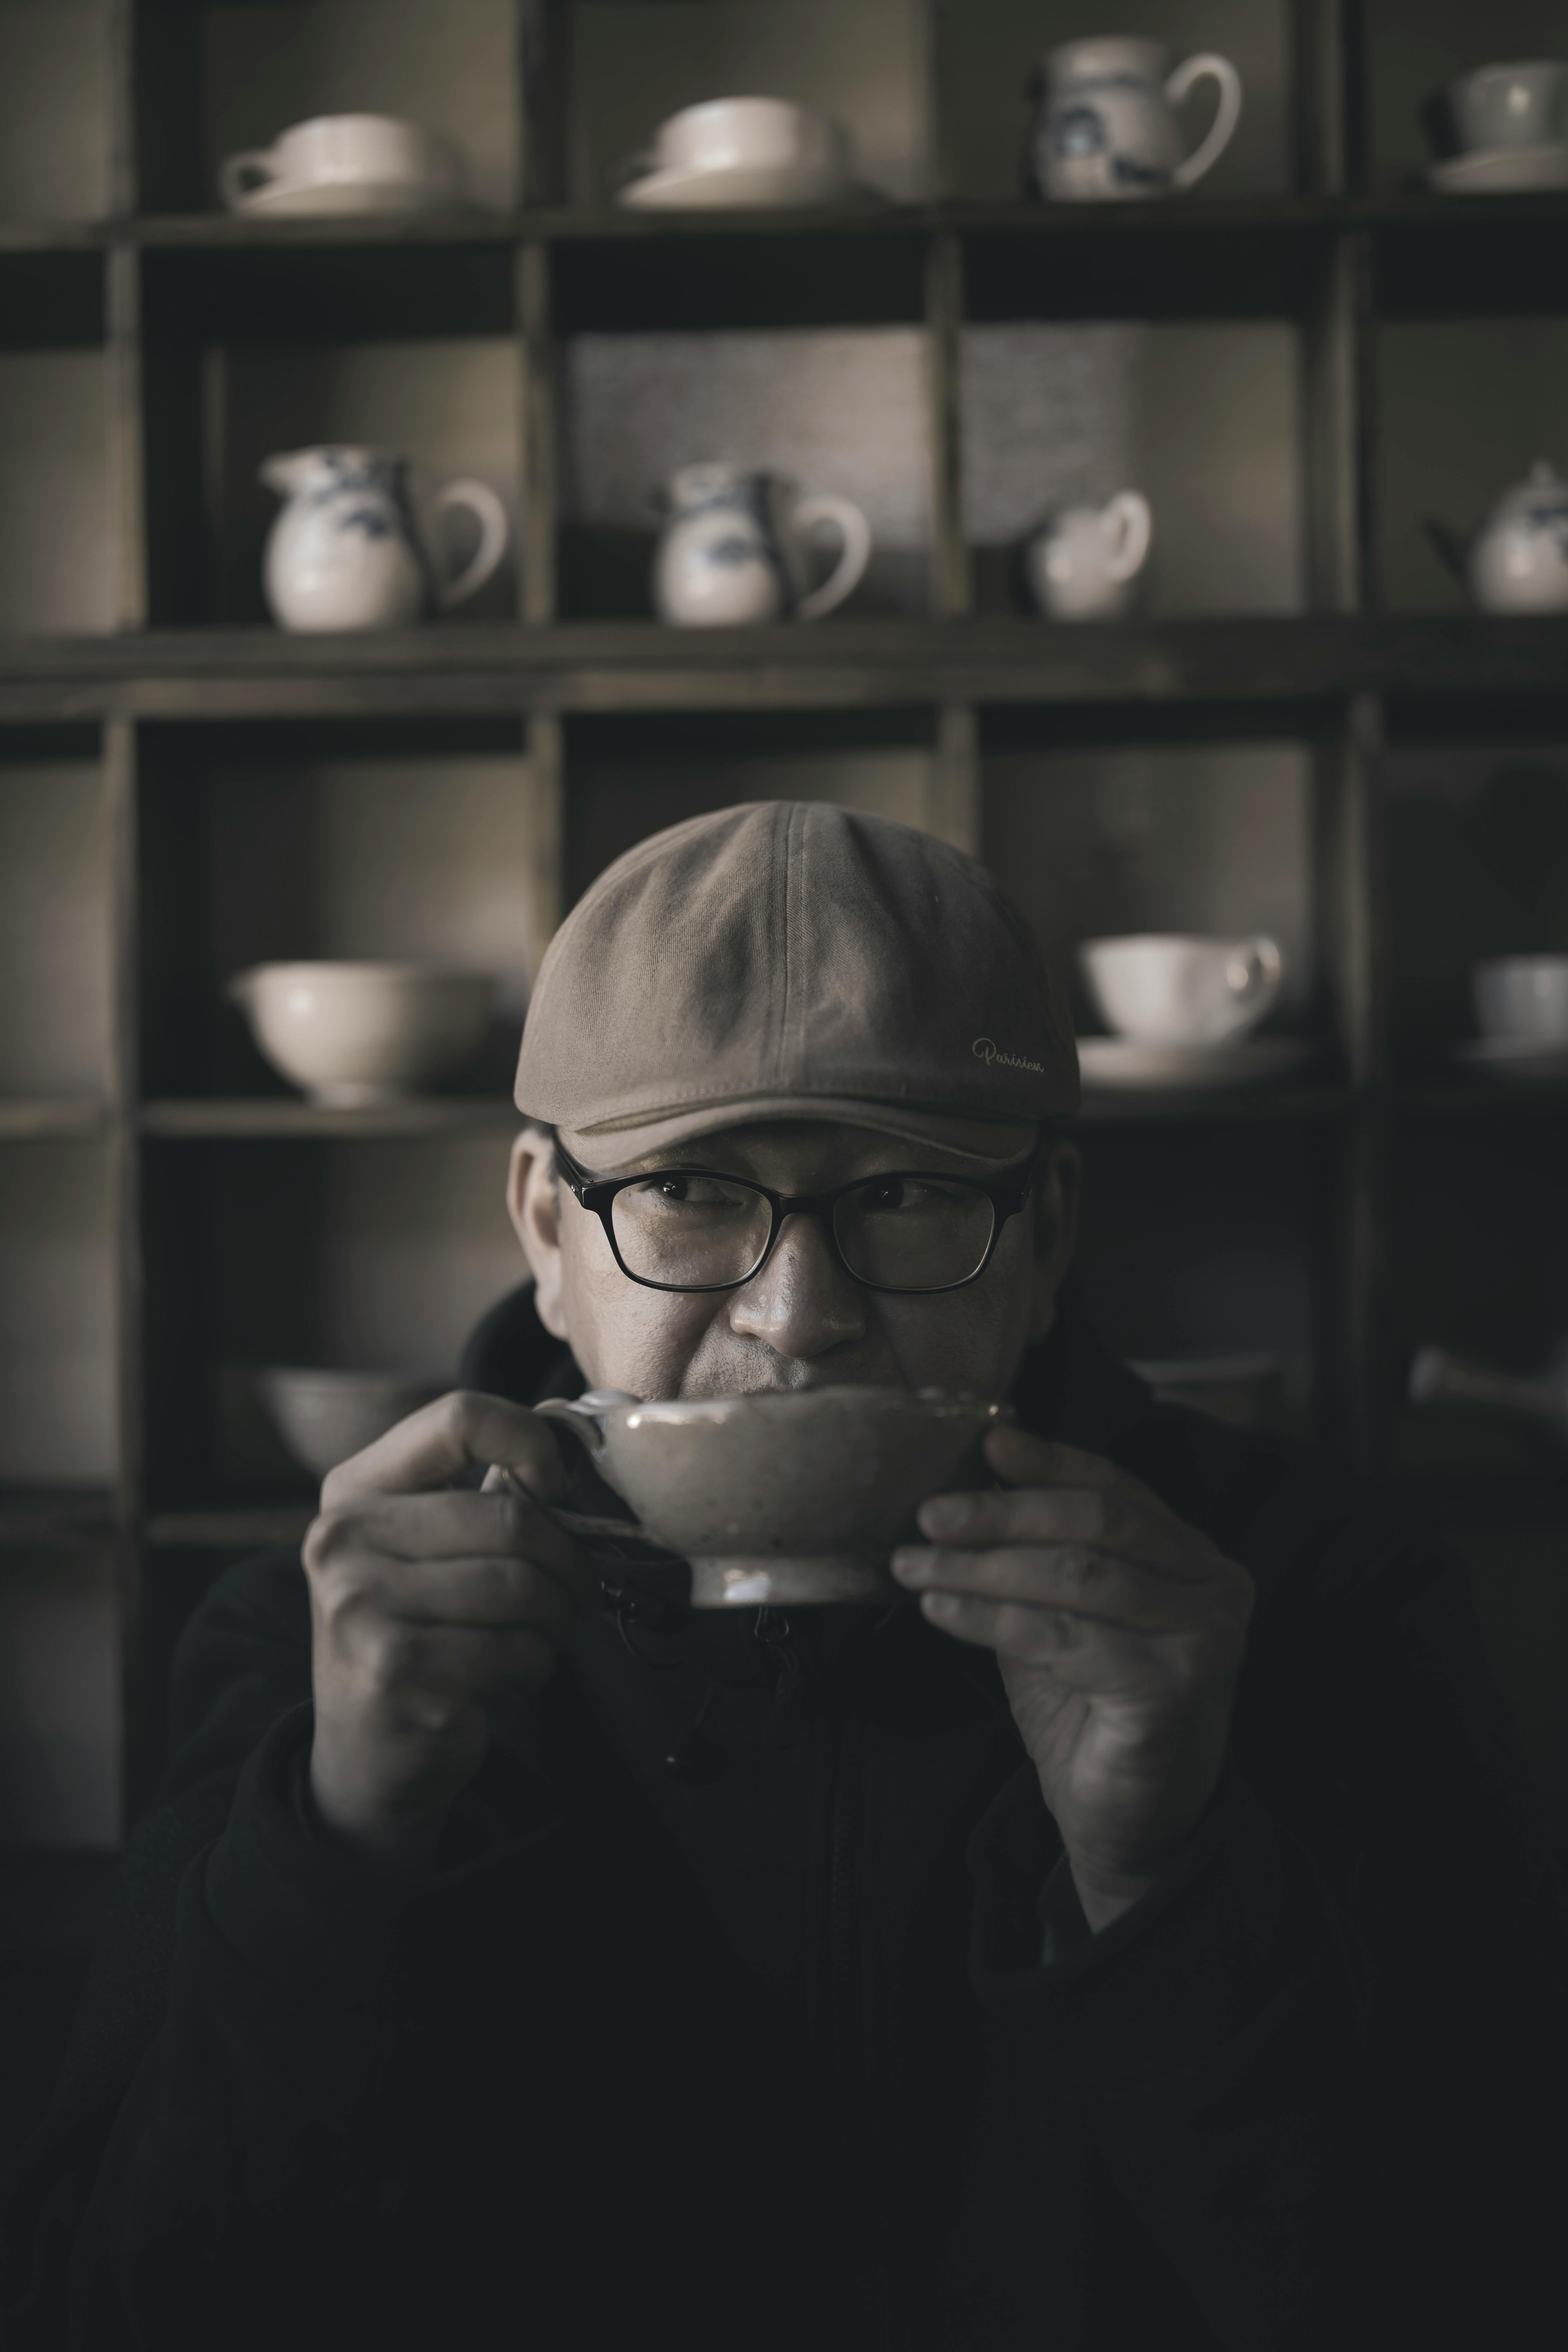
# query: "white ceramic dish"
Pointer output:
{"type": "Point", "coordinates": [323, 1415]}
{"type": "Point", "coordinates": [1534, 1061]}
{"type": "Point", "coordinates": [1503, 171]}
{"type": "Point", "coordinates": [1233, 1388]}
{"type": "Point", "coordinates": [756, 187]}
{"type": "Point", "coordinates": [353, 1034]}
{"type": "Point", "coordinates": [335, 199]}
{"type": "Point", "coordinates": [1125, 1064]}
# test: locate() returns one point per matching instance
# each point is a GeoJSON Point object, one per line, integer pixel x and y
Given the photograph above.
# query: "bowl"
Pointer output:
{"type": "Point", "coordinates": [353, 1034]}
{"type": "Point", "coordinates": [1523, 997]}
{"type": "Point", "coordinates": [323, 1415]}
{"type": "Point", "coordinates": [1240, 1389]}
{"type": "Point", "coordinates": [780, 1497]}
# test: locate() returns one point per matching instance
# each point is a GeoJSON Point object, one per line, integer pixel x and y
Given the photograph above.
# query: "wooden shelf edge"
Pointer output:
{"type": "Point", "coordinates": [55, 1519]}
{"type": "Point", "coordinates": [256, 1527]}
{"type": "Point", "coordinates": [426, 1115]}
{"type": "Point", "coordinates": [54, 1119]}
{"type": "Point", "coordinates": [569, 225]}
{"type": "Point", "coordinates": [584, 666]}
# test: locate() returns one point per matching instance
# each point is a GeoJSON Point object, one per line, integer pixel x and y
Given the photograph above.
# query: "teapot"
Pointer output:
{"type": "Point", "coordinates": [1517, 561]}
{"type": "Point", "coordinates": [734, 549]}
{"type": "Point", "coordinates": [355, 547]}
{"type": "Point", "coordinates": [1081, 564]}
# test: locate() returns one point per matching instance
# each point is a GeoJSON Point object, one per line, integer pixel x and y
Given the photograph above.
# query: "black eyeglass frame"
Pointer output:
{"type": "Point", "coordinates": [1006, 1195]}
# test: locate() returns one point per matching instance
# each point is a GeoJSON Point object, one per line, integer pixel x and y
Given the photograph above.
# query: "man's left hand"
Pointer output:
{"type": "Point", "coordinates": [1120, 1633]}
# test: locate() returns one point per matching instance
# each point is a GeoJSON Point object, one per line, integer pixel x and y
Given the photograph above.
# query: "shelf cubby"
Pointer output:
{"type": "Point", "coordinates": [378, 1252]}
{"type": "Point", "coordinates": [369, 841]}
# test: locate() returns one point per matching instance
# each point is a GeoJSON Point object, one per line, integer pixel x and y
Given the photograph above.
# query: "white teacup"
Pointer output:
{"type": "Point", "coordinates": [747, 135]}
{"type": "Point", "coordinates": [1523, 105]}
{"type": "Point", "coordinates": [1523, 997]}
{"type": "Point", "coordinates": [781, 1498]}
{"type": "Point", "coordinates": [344, 150]}
{"type": "Point", "coordinates": [1168, 990]}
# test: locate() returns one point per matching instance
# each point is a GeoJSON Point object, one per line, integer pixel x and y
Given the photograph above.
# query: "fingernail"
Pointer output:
{"type": "Point", "coordinates": [910, 1564]}
{"type": "Point", "coordinates": [943, 1514]}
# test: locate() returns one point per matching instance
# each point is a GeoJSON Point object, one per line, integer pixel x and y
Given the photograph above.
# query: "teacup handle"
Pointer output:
{"type": "Point", "coordinates": [845, 573]}
{"type": "Point", "coordinates": [1134, 524]}
{"type": "Point", "coordinates": [241, 176]}
{"type": "Point", "coordinates": [1206, 155]}
{"type": "Point", "coordinates": [1253, 972]}
{"type": "Point", "coordinates": [494, 532]}
{"type": "Point", "coordinates": [584, 1417]}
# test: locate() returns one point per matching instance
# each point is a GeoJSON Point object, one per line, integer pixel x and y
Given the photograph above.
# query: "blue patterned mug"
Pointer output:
{"type": "Point", "coordinates": [1108, 125]}
{"type": "Point", "coordinates": [733, 550]}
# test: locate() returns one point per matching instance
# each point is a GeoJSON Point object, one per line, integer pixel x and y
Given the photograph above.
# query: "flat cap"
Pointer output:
{"type": "Point", "coordinates": [794, 960]}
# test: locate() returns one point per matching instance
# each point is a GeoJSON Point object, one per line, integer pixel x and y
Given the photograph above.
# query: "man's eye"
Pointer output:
{"type": "Point", "coordinates": [699, 1192]}
{"type": "Point", "coordinates": [890, 1195]}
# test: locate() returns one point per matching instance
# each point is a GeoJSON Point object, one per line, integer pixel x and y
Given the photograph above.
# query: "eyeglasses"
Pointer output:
{"type": "Point", "coordinates": [697, 1228]}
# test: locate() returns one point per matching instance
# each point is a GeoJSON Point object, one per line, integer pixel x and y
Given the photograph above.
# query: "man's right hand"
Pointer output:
{"type": "Point", "coordinates": [422, 1596]}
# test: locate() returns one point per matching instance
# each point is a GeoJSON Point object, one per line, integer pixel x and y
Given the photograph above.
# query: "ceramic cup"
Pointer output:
{"type": "Point", "coordinates": [734, 548]}
{"type": "Point", "coordinates": [779, 1498]}
{"type": "Point", "coordinates": [1523, 997]}
{"type": "Point", "coordinates": [353, 1034]}
{"type": "Point", "coordinates": [337, 149]}
{"type": "Point", "coordinates": [1164, 990]}
{"type": "Point", "coordinates": [1108, 125]}
{"type": "Point", "coordinates": [745, 135]}
{"type": "Point", "coordinates": [1522, 105]}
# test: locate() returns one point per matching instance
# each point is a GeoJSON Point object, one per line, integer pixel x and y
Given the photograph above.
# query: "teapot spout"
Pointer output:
{"type": "Point", "coordinates": [288, 472]}
{"type": "Point", "coordinates": [1452, 546]}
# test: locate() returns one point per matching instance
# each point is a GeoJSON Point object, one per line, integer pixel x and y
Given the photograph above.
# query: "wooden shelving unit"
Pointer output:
{"type": "Point", "coordinates": [182, 697]}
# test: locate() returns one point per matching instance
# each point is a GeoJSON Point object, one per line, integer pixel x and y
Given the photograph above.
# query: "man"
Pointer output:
{"type": "Point", "coordinates": [1134, 1934]}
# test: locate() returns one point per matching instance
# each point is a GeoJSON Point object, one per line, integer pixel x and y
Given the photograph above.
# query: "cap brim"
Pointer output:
{"type": "Point", "coordinates": [611, 1147]}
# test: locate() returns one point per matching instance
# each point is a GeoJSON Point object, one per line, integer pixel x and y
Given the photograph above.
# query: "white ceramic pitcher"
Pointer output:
{"type": "Point", "coordinates": [1083, 563]}
{"type": "Point", "coordinates": [734, 546]}
{"type": "Point", "coordinates": [357, 547]}
{"type": "Point", "coordinates": [1108, 124]}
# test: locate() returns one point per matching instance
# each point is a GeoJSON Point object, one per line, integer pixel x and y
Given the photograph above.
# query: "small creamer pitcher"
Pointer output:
{"type": "Point", "coordinates": [734, 549]}
{"type": "Point", "coordinates": [356, 547]}
{"type": "Point", "coordinates": [1083, 564]}
{"type": "Point", "coordinates": [1108, 125]}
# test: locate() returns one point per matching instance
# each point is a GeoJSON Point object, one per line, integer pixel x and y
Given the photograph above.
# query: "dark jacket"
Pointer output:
{"type": "Point", "coordinates": [765, 2053]}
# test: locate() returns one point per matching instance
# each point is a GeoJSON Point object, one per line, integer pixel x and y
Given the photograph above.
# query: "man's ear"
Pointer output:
{"type": "Point", "coordinates": [533, 1203]}
{"type": "Point", "coordinates": [1057, 1192]}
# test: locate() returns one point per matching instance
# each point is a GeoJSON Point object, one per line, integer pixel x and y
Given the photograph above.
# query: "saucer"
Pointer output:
{"type": "Point", "coordinates": [1498, 170]}
{"type": "Point", "coordinates": [1538, 1061]}
{"type": "Point", "coordinates": [1127, 1062]}
{"type": "Point", "coordinates": [287, 199]}
{"type": "Point", "coordinates": [688, 189]}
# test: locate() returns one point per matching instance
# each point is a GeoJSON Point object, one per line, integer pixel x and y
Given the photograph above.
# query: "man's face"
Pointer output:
{"type": "Point", "coordinates": [801, 1321]}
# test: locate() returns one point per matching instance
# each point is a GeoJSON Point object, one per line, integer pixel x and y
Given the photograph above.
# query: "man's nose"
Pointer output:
{"type": "Point", "coordinates": [802, 1303]}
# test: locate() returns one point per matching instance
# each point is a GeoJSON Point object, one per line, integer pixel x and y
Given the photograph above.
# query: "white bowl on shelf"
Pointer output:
{"type": "Point", "coordinates": [1239, 1389]}
{"type": "Point", "coordinates": [324, 1415]}
{"type": "Point", "coordinates": [353, 1034]}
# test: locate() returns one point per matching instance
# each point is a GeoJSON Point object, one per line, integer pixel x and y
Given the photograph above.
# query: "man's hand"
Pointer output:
{"type": "Point", "coordinates": [1120, 1633]}
{"type": "Point", "coordinates": [422, 1598]}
